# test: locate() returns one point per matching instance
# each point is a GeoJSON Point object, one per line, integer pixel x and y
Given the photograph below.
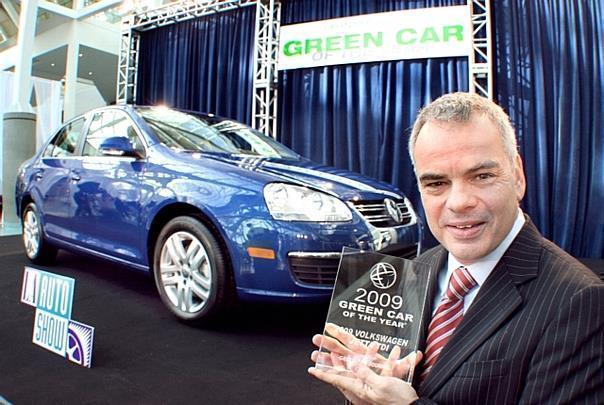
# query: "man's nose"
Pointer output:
{"type": "Point", "coordinates": [461, 197]}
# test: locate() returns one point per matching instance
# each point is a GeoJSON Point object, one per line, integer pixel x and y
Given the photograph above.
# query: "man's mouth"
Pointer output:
{"type": "Point", "coordinates": [465, 231]}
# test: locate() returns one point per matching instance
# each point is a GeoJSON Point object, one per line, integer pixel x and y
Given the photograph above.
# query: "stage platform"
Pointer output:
{"type": "Point", "coordinates": [143, 355]}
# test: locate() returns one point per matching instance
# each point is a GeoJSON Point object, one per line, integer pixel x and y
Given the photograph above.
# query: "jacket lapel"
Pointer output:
{"type": "Point", "coordinates": [435, 259]}
{"type": "Point", "coordinates": [487, 313]}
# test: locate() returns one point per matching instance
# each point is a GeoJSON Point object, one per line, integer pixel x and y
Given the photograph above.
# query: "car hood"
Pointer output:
{"type": "Point", "coordinates": [345, 184]}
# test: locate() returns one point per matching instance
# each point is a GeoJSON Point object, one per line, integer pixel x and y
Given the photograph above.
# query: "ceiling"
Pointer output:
{"type": "Point", "coordinates": [97, 66]}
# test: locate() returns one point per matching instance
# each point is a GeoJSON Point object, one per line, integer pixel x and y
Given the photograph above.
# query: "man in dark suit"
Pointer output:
{"type": "Point", "coordinates": [514, 319]}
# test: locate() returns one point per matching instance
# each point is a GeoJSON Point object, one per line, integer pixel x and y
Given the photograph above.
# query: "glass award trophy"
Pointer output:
{"type": "Point", "coordinates": [376, 298]}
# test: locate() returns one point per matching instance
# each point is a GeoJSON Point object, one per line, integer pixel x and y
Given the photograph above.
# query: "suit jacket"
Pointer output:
{"type": "Point", "coordinates": [534, 334]}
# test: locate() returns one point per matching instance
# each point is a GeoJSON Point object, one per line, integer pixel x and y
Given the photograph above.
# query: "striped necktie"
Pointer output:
{"type": "Point", "coordinates": [447, 316]}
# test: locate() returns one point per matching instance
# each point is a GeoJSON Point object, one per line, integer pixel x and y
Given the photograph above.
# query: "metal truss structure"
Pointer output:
{"type": "Point", "coordinates": [266, 78]}
{"type": "Point", "coordinates": [264, 108]}
{"type": "Point", "coordinates": [264, 103]}
{"type": "Point", "coordinates": [127, 64]}
{"type": "Point", "coordinates": [480, 67]}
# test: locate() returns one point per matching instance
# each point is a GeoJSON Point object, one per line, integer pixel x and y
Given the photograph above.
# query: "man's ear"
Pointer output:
{"type": "Point", "coordinates": [519, 179]}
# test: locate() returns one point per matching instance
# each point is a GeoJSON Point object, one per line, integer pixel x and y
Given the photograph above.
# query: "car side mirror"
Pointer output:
{"type": "Point", "coordinates": [118, 146]}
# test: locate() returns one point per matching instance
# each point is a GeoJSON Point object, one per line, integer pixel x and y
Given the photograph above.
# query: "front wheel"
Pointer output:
{"type": "Point", "coordinates": [191, 271]}
{"type": "Point", "coordinates": [36, 247]}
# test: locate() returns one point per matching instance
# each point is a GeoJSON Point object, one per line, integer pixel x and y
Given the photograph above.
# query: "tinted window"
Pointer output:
{"type": "Point", "coordinates": [66, 140]}
{"type": "Point", "coordinates": [108, 124]}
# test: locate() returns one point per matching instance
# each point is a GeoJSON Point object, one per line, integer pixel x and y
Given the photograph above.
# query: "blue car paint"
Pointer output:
{"type": "Point", "coordinates": [112, 206]}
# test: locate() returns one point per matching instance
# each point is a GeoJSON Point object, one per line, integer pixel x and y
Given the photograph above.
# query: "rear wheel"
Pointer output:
{"type": "Point", "coordinates": [37, 249]}
{"type": "Point", "coordinates": [191, 271]}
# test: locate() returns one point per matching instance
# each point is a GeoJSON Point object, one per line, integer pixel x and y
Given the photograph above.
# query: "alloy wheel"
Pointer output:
{"type": "Point", "coordinates": [31, 233]}
{"type": "Point", "coordinates": [186, 274]}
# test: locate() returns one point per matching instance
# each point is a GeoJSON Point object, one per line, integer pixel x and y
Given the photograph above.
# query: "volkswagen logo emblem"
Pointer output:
{"type": "Point", "coordinates": [383, 275]}
{"type": "Point", "coordinates": [393, 210]}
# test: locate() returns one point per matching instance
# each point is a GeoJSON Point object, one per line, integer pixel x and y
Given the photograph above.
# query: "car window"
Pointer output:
{"type": "Point", "coordinates": [195, 133]}
{"type": "Point", "coordinates": [250, 141]}
{"type": "Point", "coordinates": [65, 142]}
{"type": "Point", "coordinates": [108, 124]}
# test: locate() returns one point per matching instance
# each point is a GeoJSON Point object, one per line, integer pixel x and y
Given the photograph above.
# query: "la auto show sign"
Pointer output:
{"type": "Point", "coordinates": [407, 34]}
{"type": "Point", "coordinates": [54, 330]}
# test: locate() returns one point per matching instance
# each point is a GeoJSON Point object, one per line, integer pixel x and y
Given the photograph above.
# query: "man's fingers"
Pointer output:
{"type": "Point", "coordinates": [317, 340]}
{"type": "Point", "coordinates": [341, 382]}
{"type": "Point", "coordinates": [346, 338]}
{"type": "Point", "coordinates": [329, 343]}
{"type": "Point", "coordinates": [405, 366]}
{"type": "Point", "coordinates": [338, 361]}
{"type": "Point", "coordinates": [418, 357]}
{"type": "Point", "coordinates": [390, 363]}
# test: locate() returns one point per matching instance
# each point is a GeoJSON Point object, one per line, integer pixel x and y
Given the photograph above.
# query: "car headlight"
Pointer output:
{"type": "Point", "coordinates": [294, 203]}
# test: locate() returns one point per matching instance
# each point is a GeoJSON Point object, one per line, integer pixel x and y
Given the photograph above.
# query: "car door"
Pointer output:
{"type": "Point", "coordinates": [107, 193]}
{"type": "Point", "coordinates": [52, 178]}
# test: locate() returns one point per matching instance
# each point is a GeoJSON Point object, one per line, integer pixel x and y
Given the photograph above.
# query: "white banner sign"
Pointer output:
{"type": "Point", "coordinates": [407, 34]}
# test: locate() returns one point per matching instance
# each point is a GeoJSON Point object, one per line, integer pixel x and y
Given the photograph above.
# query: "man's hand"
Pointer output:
{"type": "Point", "coordinates": [359, 372]}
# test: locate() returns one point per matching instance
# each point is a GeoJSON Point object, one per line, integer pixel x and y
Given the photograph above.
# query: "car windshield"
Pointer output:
{"type": "Point", "coordinates": [190, 132]}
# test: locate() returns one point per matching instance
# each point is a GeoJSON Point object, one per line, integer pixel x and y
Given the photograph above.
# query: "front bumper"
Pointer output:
{"type": "Point", "coordinates": [307, 257]}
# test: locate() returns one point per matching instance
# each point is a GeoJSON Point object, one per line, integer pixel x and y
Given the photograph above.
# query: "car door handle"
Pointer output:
{"type": "Point", "coordinates": [75, 177]}
{"type": "Point", "coordinates": [38, 175]}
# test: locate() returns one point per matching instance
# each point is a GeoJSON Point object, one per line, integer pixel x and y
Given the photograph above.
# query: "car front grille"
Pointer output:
{"type": "Point", "coordinates": [315, 270]}
{"type": "Point", "coordinates": [376, 213]}
{"type": "Point", "coordinates": [321, 269]}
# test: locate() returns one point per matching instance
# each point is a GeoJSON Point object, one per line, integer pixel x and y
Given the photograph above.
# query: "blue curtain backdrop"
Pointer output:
{"type": "Point", "coordinates": [205, 64]}
{"type": "Point", "coordinates": [550, 69]}
{"type": "Point", "coordinates": [359, 117]}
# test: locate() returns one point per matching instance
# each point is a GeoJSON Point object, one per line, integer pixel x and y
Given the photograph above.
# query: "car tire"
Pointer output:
{"type": "Point", "coordinates": [191, 271]}
{"type": "Point", "coordinates": [37, 248]}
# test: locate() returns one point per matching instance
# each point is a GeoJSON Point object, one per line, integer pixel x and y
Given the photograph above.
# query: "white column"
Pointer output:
{"type": "Point", "coordinates": [71, 78]}
{"type": "Point", "coordinates": [25, 46]}
{"type": "Point", "coordinates": [19, 122]}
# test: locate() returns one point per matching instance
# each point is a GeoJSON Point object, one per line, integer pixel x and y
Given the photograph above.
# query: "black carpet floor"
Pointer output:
{"type": "Point", "coordinates": [143, 355]}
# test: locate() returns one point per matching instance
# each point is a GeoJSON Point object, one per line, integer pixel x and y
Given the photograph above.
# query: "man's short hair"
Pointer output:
{"type": "Point", "coordinates": [459, 107]}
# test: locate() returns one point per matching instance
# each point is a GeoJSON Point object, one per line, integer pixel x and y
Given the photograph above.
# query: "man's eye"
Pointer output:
{"type": "Point", "coordinates": [484, 176]}
{"type": "Point", "coordinates": [435, 184]}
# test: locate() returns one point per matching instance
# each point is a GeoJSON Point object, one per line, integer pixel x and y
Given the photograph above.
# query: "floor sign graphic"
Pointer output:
{"type": "Point", "coordinates": [54, 330]}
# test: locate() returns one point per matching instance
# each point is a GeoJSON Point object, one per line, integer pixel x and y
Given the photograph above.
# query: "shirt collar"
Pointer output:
{"type": "Point", "coordinates": [481, 269]}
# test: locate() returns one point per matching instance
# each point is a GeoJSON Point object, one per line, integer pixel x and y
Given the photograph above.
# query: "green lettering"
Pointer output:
{"type": "Point", "coordinates": [455, 31]}
{"type": "Point", "coordinates": [314, 43]}
{"type": "Point", "coordinates": [429, 35]}
{"type": "Point", "coordinates": [333, 44]}
{"type": "Point", "coordinates": [406, 36]}
{"type": "Point", "coordinates": [351, 41]}
{"type": "Point", "coordinates": [377, 40]}
{"type": "Point", "coordinates": [292, 48]}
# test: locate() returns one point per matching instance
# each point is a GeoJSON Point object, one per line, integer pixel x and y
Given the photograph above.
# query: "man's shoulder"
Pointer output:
{"type": "Point", "coordinates": [554, 261]}
{"type": "Point", "coordinates": [531, 254]}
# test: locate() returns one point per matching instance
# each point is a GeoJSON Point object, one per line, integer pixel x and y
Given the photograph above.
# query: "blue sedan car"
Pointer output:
{"type": "Point", "coordinates": [212, 208]}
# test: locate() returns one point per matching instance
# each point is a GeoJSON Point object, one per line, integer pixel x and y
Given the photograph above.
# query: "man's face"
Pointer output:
{"type": "Point", "coordinates": [469, 187]}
